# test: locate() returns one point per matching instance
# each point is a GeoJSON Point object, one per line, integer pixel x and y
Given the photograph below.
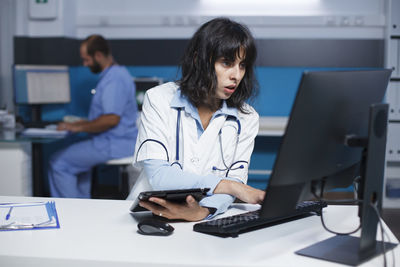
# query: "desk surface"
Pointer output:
{"type": "Point", "coordinates": [103, 233]}
{"type": "Point", "coordinates": [15, 136]}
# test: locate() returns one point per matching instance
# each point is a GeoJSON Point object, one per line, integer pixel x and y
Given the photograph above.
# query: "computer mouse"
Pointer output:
{"type": "Point", "coordinates": [155, 227]}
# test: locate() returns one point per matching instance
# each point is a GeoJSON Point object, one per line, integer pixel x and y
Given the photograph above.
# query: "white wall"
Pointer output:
{"type": "Point", "coordinates": [180, 18]}
{"type": "Point", "coordinates": [355, 19]}
{"type": "Point", "coordinates": [64, 23]}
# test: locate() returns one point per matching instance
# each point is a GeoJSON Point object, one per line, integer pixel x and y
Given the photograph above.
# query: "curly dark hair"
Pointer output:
{"type": "Point", "coordinates": [218, 38]}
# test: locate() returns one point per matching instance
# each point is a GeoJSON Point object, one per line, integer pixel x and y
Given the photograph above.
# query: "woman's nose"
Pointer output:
{"type": "Point", "coordinates": [235, 73]}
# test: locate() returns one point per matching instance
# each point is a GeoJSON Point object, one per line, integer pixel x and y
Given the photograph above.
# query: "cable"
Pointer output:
{"type": "Point", "coordinates": [390, 241]}
{"type": "Point", "coordinates": [383, 234]}
{"type": "Point", "coordinates": [338, 233]}
{"type": "Point", "coordinates": [339, 201]}
{"type": "Point", "coordinates": [356, 182]}
{"type": "Point", "coordinates": [342, 201]}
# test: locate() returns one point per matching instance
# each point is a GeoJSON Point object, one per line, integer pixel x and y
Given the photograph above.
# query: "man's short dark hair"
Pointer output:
{"type": "Point", "coordinates": [95, 43]}
{"type": "Point", "coordinates": [218, 38]}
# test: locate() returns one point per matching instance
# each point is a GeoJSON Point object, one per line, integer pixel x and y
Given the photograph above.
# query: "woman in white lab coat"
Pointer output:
{"type": "Point", "coordinates": [199, 132]}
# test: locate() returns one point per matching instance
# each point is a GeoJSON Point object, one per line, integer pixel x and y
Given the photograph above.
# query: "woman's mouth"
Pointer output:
{"type": "Point", "coordinates": [229, 89]}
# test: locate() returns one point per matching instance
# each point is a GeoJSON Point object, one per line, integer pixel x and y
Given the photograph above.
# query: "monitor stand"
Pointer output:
{"type": "Point", "coordinates": [36, 115]}
{"type": "Point", "coordinates": [344, 249]}
{"type": "Point", "coordinates": [36, 118]}
{"type": "Point", "coordinates": [352, 250]}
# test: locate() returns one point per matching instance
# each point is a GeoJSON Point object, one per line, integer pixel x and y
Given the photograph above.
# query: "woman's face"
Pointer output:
{"type": "Point", "coordinates": [229, 74]}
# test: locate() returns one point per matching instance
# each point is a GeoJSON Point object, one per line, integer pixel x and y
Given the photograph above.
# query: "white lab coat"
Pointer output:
{"type": "Point", "coordinates": [197, 155]}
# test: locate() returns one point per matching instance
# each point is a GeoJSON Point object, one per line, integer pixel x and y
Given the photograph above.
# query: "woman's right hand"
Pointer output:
{"type": "Point", "coordinates": [189, 211]}
{"type": "Point", "coordinates": [241, 191]}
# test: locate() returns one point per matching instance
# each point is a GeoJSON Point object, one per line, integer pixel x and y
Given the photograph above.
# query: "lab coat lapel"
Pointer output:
{"type": "Point", "coordinates": [198, 151]}
{"type": "Point", "coordinates": [208, 145]}
{"type": "Point", "coordinates": [188, 141]}
{"type": "Point", "coordinates": [211, 133]}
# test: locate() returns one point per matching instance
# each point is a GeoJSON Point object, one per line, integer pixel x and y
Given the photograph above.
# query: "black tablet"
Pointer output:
{"type": "Point", "coordinates": [175, 195]}
{"type": "Point", "coordinates": [178, 195]}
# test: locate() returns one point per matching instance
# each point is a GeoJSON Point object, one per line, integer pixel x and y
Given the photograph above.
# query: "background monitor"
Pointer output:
{"type": "Point", "coordinates": [142, 85]}
{"type": "Point", "coordinates": [40, 84]}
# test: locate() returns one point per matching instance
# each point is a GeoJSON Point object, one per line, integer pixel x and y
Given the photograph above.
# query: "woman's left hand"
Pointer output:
{"type": "Point", "coordinates": [189, 211]}
{"type": "Point", "coordinates": [249, 194]}
{"type": "Point", "coordinates": [242, 191]}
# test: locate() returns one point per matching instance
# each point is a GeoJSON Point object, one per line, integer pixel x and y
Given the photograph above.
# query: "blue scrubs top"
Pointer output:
{"type": "Point", "coordinates": [115, 94]}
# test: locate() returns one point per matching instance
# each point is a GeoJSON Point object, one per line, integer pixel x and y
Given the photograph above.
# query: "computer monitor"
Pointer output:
{"type": "Point", "coordinates": [319, 150]}
{"type": "Point", "coordinates": [142, 85]}
{"type": "Point", "coordinates": [41, 84]}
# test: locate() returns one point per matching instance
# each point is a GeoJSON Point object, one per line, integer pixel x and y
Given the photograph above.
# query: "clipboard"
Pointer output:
{"type": "Point", "coordinates": [28, 216]}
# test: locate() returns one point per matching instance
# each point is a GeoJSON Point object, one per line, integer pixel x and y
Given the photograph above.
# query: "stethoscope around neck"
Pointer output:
{"type": "Point", "coordinates": [226, 168]}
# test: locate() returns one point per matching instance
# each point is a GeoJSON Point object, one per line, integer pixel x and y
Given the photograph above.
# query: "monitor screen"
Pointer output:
{"type": "Point", "coordinates": [329, 107]}
{"type": "Point", "coordinates": [40, 84]}
{"type": "Point", "coordinates": [142, 85]}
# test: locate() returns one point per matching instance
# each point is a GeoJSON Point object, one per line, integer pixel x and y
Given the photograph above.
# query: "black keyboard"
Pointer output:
{"type": "Point", "coordinates": [233, 225]}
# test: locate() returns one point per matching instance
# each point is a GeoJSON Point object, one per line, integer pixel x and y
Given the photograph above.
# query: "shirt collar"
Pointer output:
{"type": "Point", "coordinates": [104, 72]}
{"type": "Point", "coordinates": [225, 110]}
{"type": "Point", "coordinates": [180, 101]}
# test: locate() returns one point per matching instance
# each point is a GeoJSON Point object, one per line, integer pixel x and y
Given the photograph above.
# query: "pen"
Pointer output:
{"type": "Point", "coordinates": [9, 213]}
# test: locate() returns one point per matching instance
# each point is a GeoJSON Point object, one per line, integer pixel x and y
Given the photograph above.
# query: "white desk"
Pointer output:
{"type": "Point", "coordinates": [103, 233]}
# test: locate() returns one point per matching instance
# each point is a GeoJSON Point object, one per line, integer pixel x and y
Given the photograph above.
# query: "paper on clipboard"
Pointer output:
{"type": "Point", "coordinates": [22, 216]}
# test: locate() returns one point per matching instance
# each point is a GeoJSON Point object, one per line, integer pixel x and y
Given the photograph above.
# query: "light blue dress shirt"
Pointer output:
{"type": "Point", "coordinates": [163, 176]}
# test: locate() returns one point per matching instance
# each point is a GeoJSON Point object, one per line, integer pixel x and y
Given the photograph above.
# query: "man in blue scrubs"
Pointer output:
{"type": "Point", "coordinates": [111, 124]}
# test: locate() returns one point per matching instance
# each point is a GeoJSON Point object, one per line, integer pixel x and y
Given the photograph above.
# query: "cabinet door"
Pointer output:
{"type": "Point", "coordinates": [393, 99]}
{"type": "Point", "coordinates": [395, 27]}
{"type": "Point", "coordinates": [15, 166]}
{"type": "Point", "coordinates": [393, 143]}
{"type": "Point", "coordinates": [394, 57]}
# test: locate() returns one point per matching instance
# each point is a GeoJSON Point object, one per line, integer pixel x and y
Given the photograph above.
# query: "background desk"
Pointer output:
{"type": "Point", "coordinates": [26, 163]}
{"type": "Point", "coordinates": [103, 233]}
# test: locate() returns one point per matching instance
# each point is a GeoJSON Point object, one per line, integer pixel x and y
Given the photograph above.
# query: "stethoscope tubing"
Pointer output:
{"type": "Point", "coordinates": [178, 127]}
{"type": "Point", "coordinates": [178, 123]}
{"type": "Point", "coordinates": [152, 140]}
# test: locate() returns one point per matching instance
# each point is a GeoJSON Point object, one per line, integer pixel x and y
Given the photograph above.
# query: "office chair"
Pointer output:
{"type": "Point", "coordinates": [123, 183]}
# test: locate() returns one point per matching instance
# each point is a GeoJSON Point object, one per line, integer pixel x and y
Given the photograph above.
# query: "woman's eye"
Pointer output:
{"type": "Point", "coordinates": [242, 66]}
{"type": "Point", "coordinates": [226, 63]}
